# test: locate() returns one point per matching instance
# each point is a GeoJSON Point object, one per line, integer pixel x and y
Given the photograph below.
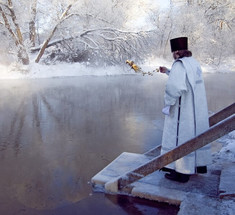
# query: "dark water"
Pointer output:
{"type": "Point", "coordinates": [55, 134]}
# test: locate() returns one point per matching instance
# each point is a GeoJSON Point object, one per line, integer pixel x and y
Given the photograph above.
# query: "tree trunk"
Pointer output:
{"type": "Point", "coordinates": [44, 46]}
{"type": "Point", "coordinates": [22, 53]}
{"type": "Point", "coordinates": [14, 20]}
{"type": "Point", "coordinates": [32, 28]}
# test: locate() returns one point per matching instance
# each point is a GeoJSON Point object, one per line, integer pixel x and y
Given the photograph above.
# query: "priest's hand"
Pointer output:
{"type": "Point", "coordinates": [166, 110]}
{"type": "Point", "coordinates": [163, 69]}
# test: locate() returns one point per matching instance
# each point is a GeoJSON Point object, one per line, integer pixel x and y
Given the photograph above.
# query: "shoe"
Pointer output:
{"type": "Point", "coordinates": [165, 169]}
{"type": "Point", "coordinates": [202, 169]}
{"type": "Point", "coordinates": [176, 176]}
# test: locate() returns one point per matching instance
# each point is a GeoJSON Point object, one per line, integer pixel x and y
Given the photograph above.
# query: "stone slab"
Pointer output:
{"type": "Point", "coordinates": [157, 193]}
{"type": "Point", "coordinates": [155, 186]}
{"type": "Point", "coordinates": [199, 205]}
{"type": "Point", "coordinates": [118, 167]}
{"type": "Point", "coordinates": [227, 181]}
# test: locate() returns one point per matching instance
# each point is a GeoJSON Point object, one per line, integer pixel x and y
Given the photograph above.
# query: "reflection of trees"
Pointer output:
{"type": "Point", "coordinates": [47, 174]}
{"type": "Point", "coordinates": [49, 109]}
{"type": "Point", "coordinates": [17, 134]}
{"type": "Point", "coordinates": [36, 119]}
{"type": "Point", "coordinates": [16, 127]}
{"type": "Point", "coordinates": [86, 112]}
{"type": "Point", "coordinates": [70, 132]}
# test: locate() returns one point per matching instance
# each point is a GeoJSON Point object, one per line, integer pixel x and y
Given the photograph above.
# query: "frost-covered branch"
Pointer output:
{"type": "Point", "coordinates": [83, 35]}
{"type": "Point", "coordinates": [96, 45]}
{"type": "Point", "coordinates": [110, 44]}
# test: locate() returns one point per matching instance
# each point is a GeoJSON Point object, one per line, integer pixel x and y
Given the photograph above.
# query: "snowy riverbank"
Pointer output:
{"type": "Point", "coordinates": [34, 71]}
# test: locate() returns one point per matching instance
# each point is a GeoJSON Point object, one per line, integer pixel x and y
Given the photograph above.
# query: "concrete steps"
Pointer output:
{"type": "Point", "coordinates": [216, 188]}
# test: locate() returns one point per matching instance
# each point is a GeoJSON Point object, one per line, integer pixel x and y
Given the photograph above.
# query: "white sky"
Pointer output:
{"type": "Point", "coordinates": [139, 22]}
{"type": "Point", "coordinates": [163, 3]}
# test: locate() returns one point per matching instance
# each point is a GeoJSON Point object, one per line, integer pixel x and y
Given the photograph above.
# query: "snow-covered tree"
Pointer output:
{"type": "Point", "coordinates": [96, 33]}
{"type": "Point", "coordinates": [76, 30]}
{"type": "Point", "coordinates": [208, 24]}
{"type": "Point", "coordinates": [219, 17]}
{"type": "Point", "coordinates": [10, 22]}
{"type": "Point", "coordinates": [111, 31]}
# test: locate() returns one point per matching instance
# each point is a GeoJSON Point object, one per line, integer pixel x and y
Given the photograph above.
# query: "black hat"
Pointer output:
{"type": "Point", "coordinates": [180, 43]}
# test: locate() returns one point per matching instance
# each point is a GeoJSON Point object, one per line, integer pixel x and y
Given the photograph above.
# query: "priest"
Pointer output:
{"type": "Point", "coordinates": [186, 112]}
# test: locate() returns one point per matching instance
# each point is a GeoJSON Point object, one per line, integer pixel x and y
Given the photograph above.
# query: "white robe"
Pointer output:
{"type": "Point", "coordinates": [185, 83]}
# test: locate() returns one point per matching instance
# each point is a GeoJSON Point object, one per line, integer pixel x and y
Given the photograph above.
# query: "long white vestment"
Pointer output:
{"type": "Point", "coordinates": [185, 85]}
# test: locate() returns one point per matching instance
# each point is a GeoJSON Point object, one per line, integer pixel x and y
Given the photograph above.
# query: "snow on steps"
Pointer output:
{"type": "Point", "coordinates": [155, 186]}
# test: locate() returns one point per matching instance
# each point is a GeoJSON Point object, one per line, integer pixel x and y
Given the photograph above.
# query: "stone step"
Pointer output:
{"type": "Point", "coordinates": [227, 184]}
{"type": "Point", "coordinates": [155, 186]}
{"type": "Point", "coordinates": [124, 163]}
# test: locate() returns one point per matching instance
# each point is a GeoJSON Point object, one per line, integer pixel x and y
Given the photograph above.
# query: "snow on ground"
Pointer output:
{"type": "Point", "coordinates": [227, 152]}
{"type": "Point", "coordinates": [34, 70]}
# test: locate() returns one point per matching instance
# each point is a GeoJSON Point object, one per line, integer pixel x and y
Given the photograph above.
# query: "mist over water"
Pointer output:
{"type": "Point", "coordinates": [55, 134]}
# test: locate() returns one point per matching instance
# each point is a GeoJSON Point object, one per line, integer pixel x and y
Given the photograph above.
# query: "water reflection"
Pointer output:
{"type": "Point", "coordinates": [140, 206]}
{"type": "Point", "coordinates": [58, 133]}
{"type": "Point", "coordinates": [220, 90]}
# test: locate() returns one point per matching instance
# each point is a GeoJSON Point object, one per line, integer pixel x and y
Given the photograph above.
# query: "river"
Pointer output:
{"type": "Point", "coordinates": [56, 133]}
